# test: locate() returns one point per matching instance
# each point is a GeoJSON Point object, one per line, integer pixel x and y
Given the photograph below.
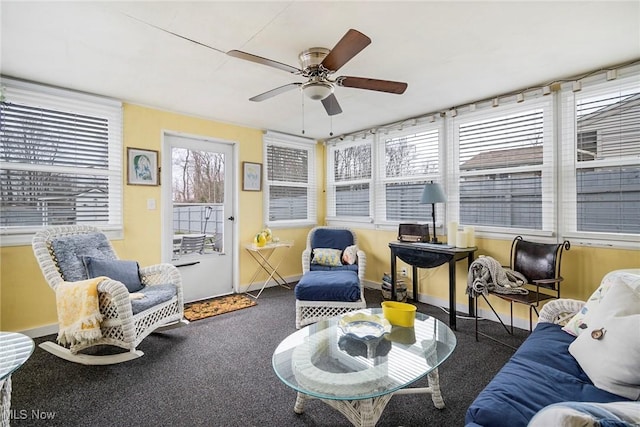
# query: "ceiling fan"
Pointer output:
{"type": "Point", "coordinates": [317, 65]}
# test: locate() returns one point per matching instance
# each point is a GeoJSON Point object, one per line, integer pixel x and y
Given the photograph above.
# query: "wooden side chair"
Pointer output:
{"type": "Point", "coordinates": [540, 264]}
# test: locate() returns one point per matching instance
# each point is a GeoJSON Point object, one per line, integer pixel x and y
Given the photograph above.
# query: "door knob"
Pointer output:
{"type": "Point", "coordinates": [231, 218]}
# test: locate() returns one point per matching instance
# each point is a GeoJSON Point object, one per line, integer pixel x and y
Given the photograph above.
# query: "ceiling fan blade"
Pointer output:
{"type": "Point", "coordinates": [331, 105]}
{"type": "Point", "coordinates": [372, 84]}
{"type": "Point", "coordinates": [264, 61]}
{"type": "Point", "coordinates": [349, 46]}
{"type": "Point", "coordinates": [273, 92]}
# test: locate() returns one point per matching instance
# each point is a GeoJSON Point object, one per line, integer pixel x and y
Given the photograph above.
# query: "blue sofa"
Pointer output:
{"type": "Point", "coordinates": [542, 372]}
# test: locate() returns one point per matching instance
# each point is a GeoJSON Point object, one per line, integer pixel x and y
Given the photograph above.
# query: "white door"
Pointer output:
{"type": "Point", "coordinates": [198, 201]}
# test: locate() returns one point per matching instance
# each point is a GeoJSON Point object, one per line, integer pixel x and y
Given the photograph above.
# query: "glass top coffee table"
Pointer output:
{"type": "Point", "coordinates": [15, 349]}
{"type": "Point", "coordinates": [358, 375]}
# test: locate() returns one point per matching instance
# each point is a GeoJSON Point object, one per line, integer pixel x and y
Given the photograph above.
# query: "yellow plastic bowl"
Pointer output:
{"type": "Point", "coordinates": [399, 313]}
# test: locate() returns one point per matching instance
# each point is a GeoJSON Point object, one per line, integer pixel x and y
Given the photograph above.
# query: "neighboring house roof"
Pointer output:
{"type": "Point", "coordinates": [74, 195]}
{"type": "Point", "coordinates": [615, 109]}
{"type": "Point", "coordinates": [504, 158]}
{"type": "Point", "coordinates": [533, 155]}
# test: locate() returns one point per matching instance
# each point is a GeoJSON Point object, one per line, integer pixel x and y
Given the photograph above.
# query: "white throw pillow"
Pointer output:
{"type": "Point", "coordinates": [350, 255]}
{"type": "Point", "coordinates": [576, 325]}
{"type": "Point", "coordinates": [612, 361]}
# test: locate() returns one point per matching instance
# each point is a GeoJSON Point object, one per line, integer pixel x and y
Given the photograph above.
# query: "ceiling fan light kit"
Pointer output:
{"type": "Point", "coordinates": [317, 90]}
{"type": "Point", "coordinates": [317, 64]}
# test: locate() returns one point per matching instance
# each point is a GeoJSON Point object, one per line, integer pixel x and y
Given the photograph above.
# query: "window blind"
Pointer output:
{"type": "Point", "coordinates": [290, 180]}
{"type": "Point", "coordinates": [408, 158]}
{"type": "Point", "coordinates": [349, 183]}
{"type": "Point", "coordinates": [60, 158]}
{"type": "Point", "coordinates": [504, 161]}
{"type": "Point", "coordinates": [605, 196]}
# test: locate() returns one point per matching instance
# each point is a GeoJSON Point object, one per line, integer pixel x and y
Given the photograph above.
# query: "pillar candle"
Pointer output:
{"type": "Point", "coordinates": [452, 229]}
{"type": "Point", "coordinates": [471, 236]}
{"type": "Point", "coordinates": [461, 239]}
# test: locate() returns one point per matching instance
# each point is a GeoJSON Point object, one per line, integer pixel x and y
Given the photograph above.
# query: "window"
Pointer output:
{"type": "Point", "coordinates": [290, 180]}
{"type": "Point", "coordinates": [407, 159]}
{"type": "Point", "coordinates": [603, 149]}
{"type": "Point", "coordinates": [505, 166]}
{"type": "Point", "coordinates": [60, 160]}
{"type": "Point", "coordinates": [349, 180]}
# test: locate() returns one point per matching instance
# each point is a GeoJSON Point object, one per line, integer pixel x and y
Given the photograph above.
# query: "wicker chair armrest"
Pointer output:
{"type": "Point", "coordinates": [306, 260]}
{"type": "Point", "coordinates": [362, 265]}
{"type": "Point", "coordinates": [117, 295]}
{"type": "Point", "coordinates": [160, 274]}
{"type": "Point", "coordinates": [560, 310]}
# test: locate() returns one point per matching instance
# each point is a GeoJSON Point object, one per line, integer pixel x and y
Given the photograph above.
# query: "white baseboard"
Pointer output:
{"type": "Point", "coordinates": [256, 286]}
{"type": "Point", "coordinates": [41, 331]}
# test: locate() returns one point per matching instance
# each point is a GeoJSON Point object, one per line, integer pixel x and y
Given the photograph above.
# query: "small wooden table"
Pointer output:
{"type": "Point", "coordinates": [262, 256]}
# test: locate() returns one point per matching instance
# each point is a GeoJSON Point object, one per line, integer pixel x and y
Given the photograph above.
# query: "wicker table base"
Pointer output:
{"type": "Point", "coordinates": [367, 412]}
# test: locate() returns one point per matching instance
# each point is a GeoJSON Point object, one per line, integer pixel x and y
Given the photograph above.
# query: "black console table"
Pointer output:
{"type": "Point", "coordinates": [429, 255]}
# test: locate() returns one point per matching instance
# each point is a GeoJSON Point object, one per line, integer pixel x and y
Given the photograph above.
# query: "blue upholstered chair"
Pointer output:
{"type": "Point", "coordinates": [330, 286]}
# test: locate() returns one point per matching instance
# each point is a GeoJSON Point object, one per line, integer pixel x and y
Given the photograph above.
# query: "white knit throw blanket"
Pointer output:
{"type": "Point", "coordinates": [486, 274]}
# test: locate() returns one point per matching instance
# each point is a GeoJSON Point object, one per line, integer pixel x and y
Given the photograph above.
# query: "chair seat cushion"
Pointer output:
{"type": "Point", "coordinates": [344, 267]}
{"type": "Point", "coordinates": [153, 295]}
{"type": "Point", "coordinates": [335, 285]}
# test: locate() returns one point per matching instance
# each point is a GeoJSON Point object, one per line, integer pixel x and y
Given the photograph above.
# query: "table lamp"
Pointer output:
{"type": "Point", "coordinates": [433, 194]}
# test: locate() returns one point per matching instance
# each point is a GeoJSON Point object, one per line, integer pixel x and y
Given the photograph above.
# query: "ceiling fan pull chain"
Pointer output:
{"type": "Point", "coordinates": [330, 125]}
{"type": "Point", "coordinates": [302, 94]}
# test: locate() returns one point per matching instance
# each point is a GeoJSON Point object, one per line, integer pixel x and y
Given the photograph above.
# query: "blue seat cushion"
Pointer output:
{"type": "Point", "coordinates": [344, 267]}
{"type": "Point", "coordinates": [335, 285]}
{"type": "Point", "coordinates": [153, 295]}
{"type": "Point", "coordinates": [542, 372]}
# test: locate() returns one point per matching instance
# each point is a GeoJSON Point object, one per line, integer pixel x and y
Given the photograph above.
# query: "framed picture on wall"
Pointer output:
{"type": "Point", "coordinates": [251, 176]}
{"type": "Point", "coordinates": [142, 167]}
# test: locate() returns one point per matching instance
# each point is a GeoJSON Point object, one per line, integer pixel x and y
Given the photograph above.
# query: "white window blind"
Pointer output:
{"type": "Point", "coordinates": [290, 197]}
{"type": "Point", "coordinates": [602, 195]}
{"type": "Point", "coordinates": [407, 159]}
{"type": "Point", "coordinates": [505, 164]}
{"type": "Point", "coordinates": [60, 159]}
{"type": "Point", "coordinates": [349, 179]}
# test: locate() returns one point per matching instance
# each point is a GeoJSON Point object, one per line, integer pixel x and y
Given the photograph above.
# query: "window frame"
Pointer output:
{"type": "Point", "coordinates": [293, 142]}
{"type": "Point", "coordinates": [546, 168]}
{"type": "Point", "coordinates": [570, 165]}
{"type": "Point", "coordinates": [41, 96]}
{"type": "Point", "coordinates": [332, 184]}
{"type": "Point", "coordinates": [381, 180]}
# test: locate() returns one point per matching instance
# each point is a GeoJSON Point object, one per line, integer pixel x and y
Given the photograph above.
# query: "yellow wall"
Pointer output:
{"type": "Point", "coordinates": [26, 301]}
{"type": "Point", "coordinates": [582, 268]}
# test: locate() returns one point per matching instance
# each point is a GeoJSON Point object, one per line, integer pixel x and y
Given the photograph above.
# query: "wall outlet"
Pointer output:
{"type": "Point", "coordinates": [404, 272]}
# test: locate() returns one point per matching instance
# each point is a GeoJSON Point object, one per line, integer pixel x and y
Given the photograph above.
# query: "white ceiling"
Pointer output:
{"type": "Point", "coordinates": [449, 52]}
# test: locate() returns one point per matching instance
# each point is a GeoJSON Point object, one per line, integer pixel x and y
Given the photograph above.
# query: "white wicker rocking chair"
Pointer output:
{"type": "Point", "coordinates": [308, 312]}
{"type": "Point", "coordinates": [120, 326]}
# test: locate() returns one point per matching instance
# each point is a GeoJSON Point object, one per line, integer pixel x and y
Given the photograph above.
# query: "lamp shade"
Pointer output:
{"type": "Point", "coordinates": [432, 193]}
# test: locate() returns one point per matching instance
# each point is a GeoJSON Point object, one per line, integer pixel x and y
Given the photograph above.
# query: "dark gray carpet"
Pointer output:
{"type": "Point", "coordinates": [217, 372]}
